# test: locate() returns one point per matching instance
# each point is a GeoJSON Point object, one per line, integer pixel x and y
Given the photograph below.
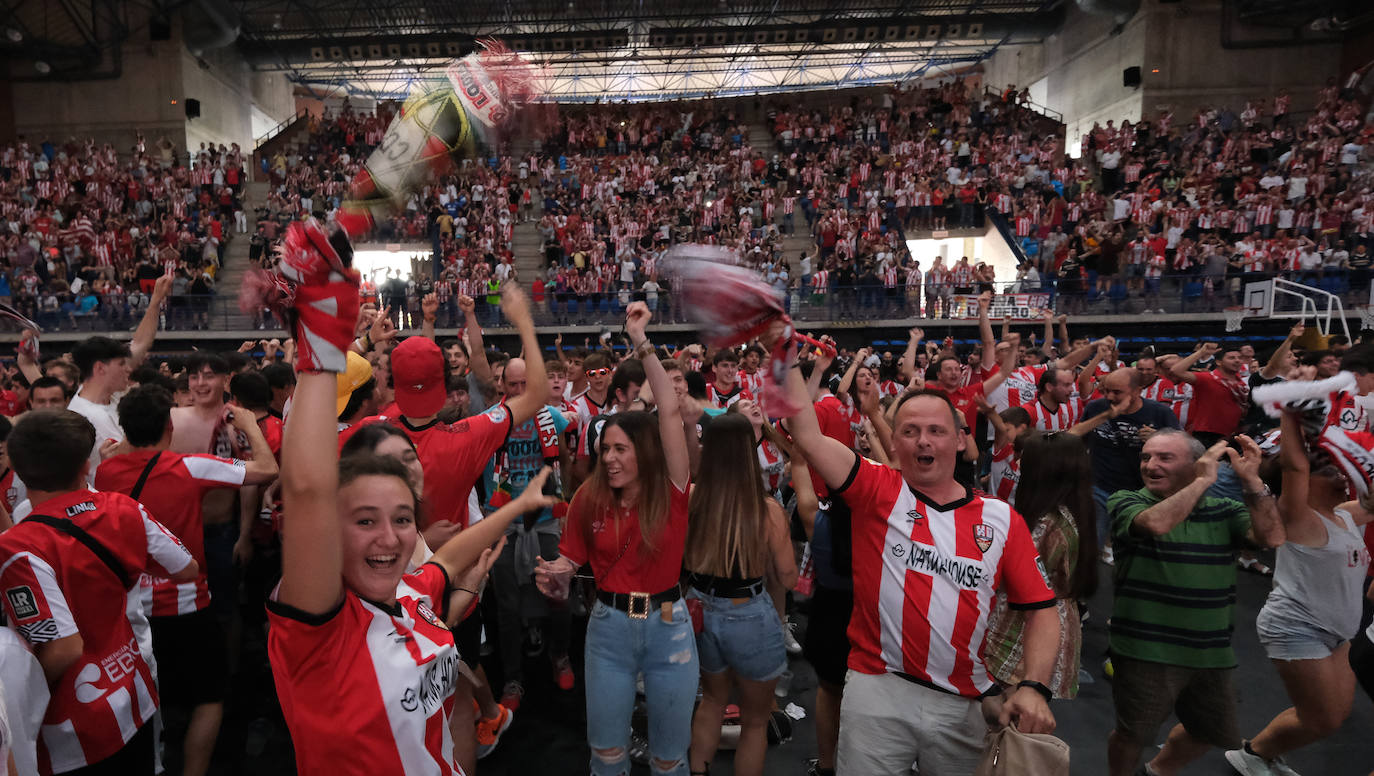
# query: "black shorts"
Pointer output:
{"type": "Point", "coordinates": [827, 634]}
{"type": "Point", "coordinates": [192, 658]}
{"type": "Point", "coordinates": [467, 635]}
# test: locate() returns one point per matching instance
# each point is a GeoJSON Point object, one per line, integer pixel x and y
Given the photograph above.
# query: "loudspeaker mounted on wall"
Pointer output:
{"type": "Point", "coordinates": [192, 108]}
{"type": "Point", "coordinates": [1130, 77]}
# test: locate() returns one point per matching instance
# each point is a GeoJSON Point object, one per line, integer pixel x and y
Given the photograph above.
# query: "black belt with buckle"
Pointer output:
{"type": "Point", "coordinates": [638, 605]}
{"type": "Point", "coordinates": [725, 587]}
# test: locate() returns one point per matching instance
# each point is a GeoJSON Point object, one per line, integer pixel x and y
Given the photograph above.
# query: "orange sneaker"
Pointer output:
{"type": "Point", "coordinates": [563, 673]}
{"type": "Point", "coordinates": [489, 730]}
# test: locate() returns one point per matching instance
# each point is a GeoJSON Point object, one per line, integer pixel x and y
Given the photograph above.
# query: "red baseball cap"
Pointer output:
{"type": "Point", "coordinates": [417, 371]}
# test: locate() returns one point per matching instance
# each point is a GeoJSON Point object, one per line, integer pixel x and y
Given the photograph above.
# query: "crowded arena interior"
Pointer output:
{"type": "Point", "coordinates": [948, 387]}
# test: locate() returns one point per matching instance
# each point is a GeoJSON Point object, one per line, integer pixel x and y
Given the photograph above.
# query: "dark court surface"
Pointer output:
{"type": "Point", "coordinates": [548, 736]}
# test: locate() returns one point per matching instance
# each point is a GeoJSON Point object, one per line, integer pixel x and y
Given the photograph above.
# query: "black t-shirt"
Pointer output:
{"type": "Point", "coordinates": [1361, 260]}
{"type": "Point", "coordinates": [1115, 445]}
{"type": "Point", "coordinates": [1256, 423]}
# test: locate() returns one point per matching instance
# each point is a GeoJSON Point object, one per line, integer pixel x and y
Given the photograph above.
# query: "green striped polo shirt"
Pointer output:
{"type": "Point", "coordinates": [1176, 594]}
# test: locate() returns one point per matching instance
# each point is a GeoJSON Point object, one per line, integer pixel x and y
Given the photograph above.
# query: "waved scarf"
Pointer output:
{"type": "Point", "coordinates": [733, 305]}
{"type": "Point", "coordinates": [1316, 403]}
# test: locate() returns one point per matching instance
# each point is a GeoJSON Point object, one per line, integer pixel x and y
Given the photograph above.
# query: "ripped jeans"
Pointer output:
{"type": "Point", "coordinates": [620, 648]}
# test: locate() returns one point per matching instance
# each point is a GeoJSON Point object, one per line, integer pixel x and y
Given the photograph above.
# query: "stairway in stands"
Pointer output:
{"type": "Point", "coordinates": [236, 265]}
{"type": "Point", "coordinates": [528, 250]}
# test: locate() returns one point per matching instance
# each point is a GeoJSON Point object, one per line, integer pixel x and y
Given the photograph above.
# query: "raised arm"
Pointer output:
{"type": "Point", "coordinates": [1005, 366]}
{"type": "Point", "coordinates": [429, 310]}
{"type": "Point", "coordinates": [854, 364]}
{"type": "Point", "coordinates": [1074, 357]}
{"type": "Point", "coordinates": [147, 328]}
{"type": "Point", "coordinates": [517, 309]}
{"type": "Point", "coordinates": [477, 351]}
{"type": "Point", "coordinates": [829, 457]}
{"type": "Point", "coordinates": [463, 550]}
{"type": "Point", "coordinates": [312, 538]}
{"type": "Point", "coordinates": [985, 324]}
{"type": "Point", "coordinates": [1267, 529]}
{"type": "Point", "coordinates": [1180, 370]}
{"type": "Point", "coordinates": [1274, 366]}
{"type": "Point", "coordinates": [669, 419]}
{"type": "Point", "coordinates": [913, 346]}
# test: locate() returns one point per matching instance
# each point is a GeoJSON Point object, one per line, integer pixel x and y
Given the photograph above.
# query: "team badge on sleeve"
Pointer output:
{"type": "Point", "coordinates": [22, 602]}
{"type": "Point", "coordinates": [982, 536]}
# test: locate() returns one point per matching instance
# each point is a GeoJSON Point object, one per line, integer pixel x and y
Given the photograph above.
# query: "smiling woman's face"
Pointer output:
{"type": "Point", "coordinates": [379, 534]}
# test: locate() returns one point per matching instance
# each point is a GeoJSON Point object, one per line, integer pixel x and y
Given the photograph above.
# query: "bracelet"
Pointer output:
{"type": "Point", "coordinates": [1038, 687]}
{"type": "Point", "coordinates": [1263, 491]}
{"type": "Point", "coordinates": [644, 348]}
{"type": "Point", "coordinates": [474, 593]}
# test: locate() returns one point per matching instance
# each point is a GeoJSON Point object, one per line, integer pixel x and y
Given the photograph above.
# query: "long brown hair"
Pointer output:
{"type": "Point", "coordinates": [727, 515]}
{"type": "Point", "coordinates": [597, 495]}
{"type": "Point", "coordinates": [1057, 473]}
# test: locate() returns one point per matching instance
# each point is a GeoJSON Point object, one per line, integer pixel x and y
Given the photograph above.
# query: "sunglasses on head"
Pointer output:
{"type": "Point", "coordinates": [598, 372]}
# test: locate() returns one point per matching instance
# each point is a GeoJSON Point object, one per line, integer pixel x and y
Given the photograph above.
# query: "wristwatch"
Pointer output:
{"type": "Point", "coordinates": [1038, 687]}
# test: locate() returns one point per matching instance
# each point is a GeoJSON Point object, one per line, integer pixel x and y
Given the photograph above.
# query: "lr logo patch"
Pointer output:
{"type": "Point", "coordinates": [22, 602]}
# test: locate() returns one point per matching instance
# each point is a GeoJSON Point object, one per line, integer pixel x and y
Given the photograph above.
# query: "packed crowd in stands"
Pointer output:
{"type": "Point", "coordinates": [488, 510]}
{"type": "Point", "coordinates": [89, 228]}
{"type": "Point", "coordinates": [1166, 208]}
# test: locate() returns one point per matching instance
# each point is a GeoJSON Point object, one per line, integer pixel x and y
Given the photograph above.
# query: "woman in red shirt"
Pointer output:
{"type": "Point", "coordinates": [629, 521]}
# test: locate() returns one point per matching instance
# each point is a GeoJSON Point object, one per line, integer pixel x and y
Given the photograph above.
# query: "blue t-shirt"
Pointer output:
{"type": "Point", "coordinates": [524, 456]}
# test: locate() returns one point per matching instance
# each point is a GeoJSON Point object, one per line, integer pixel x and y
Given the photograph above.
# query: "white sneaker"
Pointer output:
{"type": "Point", "coordinates": [1248, 764]}
{"type": "Point", "coordinates": [789, 638]}
{"type": "Point", "coordinates": [1279, 766]}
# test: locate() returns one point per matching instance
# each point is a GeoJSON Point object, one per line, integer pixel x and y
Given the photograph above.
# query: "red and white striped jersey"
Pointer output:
{"type": "Point", "coordinates": [1022, 385]}
{"type": "Point", "coordinates": [925, 576]}
{"type": "Point", "coordinates": [772, 464]}
{"type": "Point", "coordinates": [56, 587]}
{"type": "Point", "coordinates": [721, 400]}
{"type": "Point", "coordinates": [752, 383]}
{"type": "Point", "coordinates": [172, 494]}
{"type": "Point", "coordinates": [1005, 473]}
{"type": "Point", "coordinates": [1046, 419]}
{"type": "Point", "coordinates": [369, 689]}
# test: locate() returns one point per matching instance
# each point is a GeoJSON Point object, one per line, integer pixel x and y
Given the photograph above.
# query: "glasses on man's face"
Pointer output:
{"type": "Point", "coordinates": [599, 372]}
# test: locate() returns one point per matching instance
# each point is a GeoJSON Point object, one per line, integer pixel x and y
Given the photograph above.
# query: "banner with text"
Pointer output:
{"type": "Point", "coordinates": [1021, 307]}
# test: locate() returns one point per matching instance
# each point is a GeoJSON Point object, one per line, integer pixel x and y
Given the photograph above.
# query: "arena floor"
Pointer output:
{"type": "Point", "coordinates": [548, 735]}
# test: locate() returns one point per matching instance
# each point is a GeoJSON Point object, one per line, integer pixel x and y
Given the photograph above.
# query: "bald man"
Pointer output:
{"type": "Point", "coordinates": [1116, 444]}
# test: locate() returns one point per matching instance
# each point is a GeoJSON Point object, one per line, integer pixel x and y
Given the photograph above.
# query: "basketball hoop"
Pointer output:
{"type": "Point", "coordinates": [1366, 316]}
{"type": "Point", "coordinates": [1234, 317]}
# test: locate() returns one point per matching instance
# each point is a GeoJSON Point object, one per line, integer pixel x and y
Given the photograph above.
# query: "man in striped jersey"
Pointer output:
{"type": "Point", "coordinates": [1055, 407]}
{"type": "Point", "coordinates": [928, 557]}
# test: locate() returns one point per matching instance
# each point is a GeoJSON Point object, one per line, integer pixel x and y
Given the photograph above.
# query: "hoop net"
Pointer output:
{"type": "Point", "coordinates": [1366, 316]}
{"type": "Point", "coordinates": [1234, 317]}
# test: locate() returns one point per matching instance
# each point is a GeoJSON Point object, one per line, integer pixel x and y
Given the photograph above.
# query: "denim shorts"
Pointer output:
{"type": "Point", "coordinates": [1287, 638]}
{"type": "Point", "coordinates": [745, 637]}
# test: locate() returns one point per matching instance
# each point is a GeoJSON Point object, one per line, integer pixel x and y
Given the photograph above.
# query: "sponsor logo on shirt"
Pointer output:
{"type": "Point", "coordinates": [497, 413]}
{"type": "Point", "coordinates": [435, 686]}
{"type": "Point", "coordinates": [76, 509]}
{"type": "Point", "coordinates": [926, 559]}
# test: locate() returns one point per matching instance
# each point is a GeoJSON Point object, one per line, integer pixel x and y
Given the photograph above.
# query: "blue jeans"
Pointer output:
{"type": "Point", "coordinates": [1104, 521]}
{"type": "Point", "coordinates": [618, 649]}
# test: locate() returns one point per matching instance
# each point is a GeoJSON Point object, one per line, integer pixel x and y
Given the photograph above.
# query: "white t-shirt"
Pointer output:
{"type": "Point", "coordinates": [23, 699]}
{"type": "Point", "coordinates": [105, 418]}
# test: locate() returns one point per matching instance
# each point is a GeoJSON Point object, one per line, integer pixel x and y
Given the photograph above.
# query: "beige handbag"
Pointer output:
{"type": "Point", "coordinates": [1009, 752]}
